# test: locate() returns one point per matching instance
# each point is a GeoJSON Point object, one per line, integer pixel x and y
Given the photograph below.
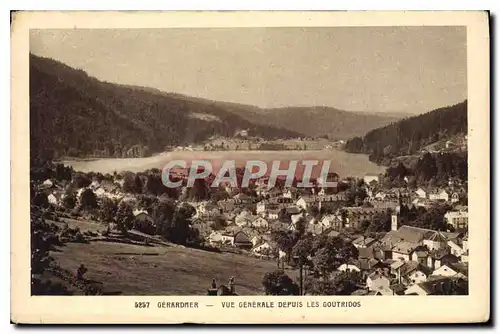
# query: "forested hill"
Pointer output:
{"type": "Point", "coordinates": [74, 114]}
{"type": "Point", "coordinates": [408, 136]}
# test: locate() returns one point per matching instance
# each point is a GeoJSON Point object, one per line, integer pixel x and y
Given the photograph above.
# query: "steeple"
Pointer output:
{"type": "Point", "coordinates": [395, 220]}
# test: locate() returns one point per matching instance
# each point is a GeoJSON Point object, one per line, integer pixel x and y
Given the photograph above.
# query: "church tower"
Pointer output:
{"type": "Point", "coordinates": [395, 221]}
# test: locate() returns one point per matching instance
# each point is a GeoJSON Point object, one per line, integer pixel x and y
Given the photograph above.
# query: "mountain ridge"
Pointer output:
{"type": "Point", "coordinates": [98, 118]}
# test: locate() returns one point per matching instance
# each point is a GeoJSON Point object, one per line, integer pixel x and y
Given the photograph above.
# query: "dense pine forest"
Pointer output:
{"type": "Point", "coordinates": [411, 135]}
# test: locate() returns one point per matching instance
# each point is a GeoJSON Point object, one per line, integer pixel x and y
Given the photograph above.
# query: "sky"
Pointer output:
{"type": "Point", "coordinates": [374, 69]}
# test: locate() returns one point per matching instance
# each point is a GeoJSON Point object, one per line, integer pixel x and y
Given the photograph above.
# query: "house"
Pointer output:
{"type": "Point", "coordinates": [290, 193]}
{"type": "Point", "coordinates": [395, 268]}
{"type": "Point", "coordinates": [273, 213]}
{"type": "Point", "coordinates": [206, 208]}
{"type": "Point", "coordinates": [436, 286]}
{"type": "Point", "coordinates": [403, 250]}
{"type": "Point", "coordinates": [363, 242]}
{"type": "Point", "coordinates": [244, 218]}
{"type": "Point", "coordinates": [47, 184]}
{"type": "Point", "coordinates": [349, 267]}
{"type": "Point", "coordinates": [465, 242]}
{"type": "Point", "coordinates": [435, 241]}
{"type": "Point", "coordinates": [215, 238]}
{"type": "Point", "coordinates": [364, 266]}
{"type": "Point", "coordinates": [457, 269]}
{"type": "Point", "coordinates": [415, 235]}
{"type": "Point", "coordinates": [297, 217]}
{"type": "Point", "coordinates": [226, 205]}
{"type": "Point", "coordinates": [292, 210]}
{"type": "Point", "coordinates": [242, 198]}
{"type": "Point", "coordinates": [376, 281]}
{"type": "Point", "coordinates": [385, 204]}
{"type": "Point", "coordinates": [440, 195]}
{"type": "Point", "coordinates": [95, 184]}
{"type": "Point", "coordinates": [143, 216]}
{"type": "Point", "coordinates": [53, 199]}
{"type": "Point", "coordinates": [262, 206]}
{"type": "Point", "coordinates": [455, 197]}
{"type": "Point", "coordinates": [237, 238]}
{"type": "Point", "coordinates": [420, 256]}
{"type": "Point", "coordinates": [356, 215]}
{"type": "Point", "coordinates": [332, 221]}
{"type": "Point", "coordinates": [465, 257]}
{"type": "Point", "coordinates": [260, 223]}
{"type": "Point", "coordinates": [437, 258]}
{"type": "Point", "coordinates": [265, 248]}
{"type": "Point", "coordinates": [455, 248]}
{"type": "Point", "coordinates": [315, 228]}
{"type": "Point", "coordinates": [445, 271]}
{"type": "Point", "coordinates": [322, 192]}
{"type": "Point", "coordinates": [369, 178]}
{"type": "Point", "coordinates": [458, 219]}
{"type": "Point", "coordinates": [257, 240]}
{"type": "Point", "coordinates": [100, 192]}
{"type": "Point", "coordinates": [360, 292]}
{"type": "Point", "coordinates": [412, 272]}
{"type": "Point", "coordinates": [306, 202]}
{"type": "Point", "coordinates": [421, 193]}
{"type": "Point", "coordinates": [422, 203]}
{"type": "Point", "coordinates": [331, 233]}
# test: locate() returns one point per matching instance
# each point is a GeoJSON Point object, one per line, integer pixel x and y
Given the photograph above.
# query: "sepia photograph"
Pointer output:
{"type": "Point", "coordinates": [264, 161]}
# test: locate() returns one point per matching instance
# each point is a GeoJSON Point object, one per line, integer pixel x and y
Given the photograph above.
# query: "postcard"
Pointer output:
{"type": "Point", "coordinates": [250, 167]}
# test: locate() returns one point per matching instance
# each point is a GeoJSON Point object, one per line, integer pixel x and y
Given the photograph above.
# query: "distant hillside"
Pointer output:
{"type": "Point", "coordinates": [315, 121]}
{"type": "Point", "coordinates": [74, 114]}
{"type": "Point", "coordinates": [309, 121]}
{"type": "Point", "coordinates": [408, 136]}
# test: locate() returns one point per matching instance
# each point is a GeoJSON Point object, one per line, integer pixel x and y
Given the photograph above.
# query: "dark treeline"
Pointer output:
{"type": "Point", "coordinates": [408, 136]}
{"type": "Point", "coordinates": [430, 170]}
{"type": "Point", "coordinates": [94, 118]}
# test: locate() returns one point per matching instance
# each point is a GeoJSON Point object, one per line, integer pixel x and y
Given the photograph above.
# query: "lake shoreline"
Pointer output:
{"type": "Point", "coordinates": [343, 163]}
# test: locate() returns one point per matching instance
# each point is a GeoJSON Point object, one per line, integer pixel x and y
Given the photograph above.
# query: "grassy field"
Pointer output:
{"type": "Point", "coordinates": [163, 270]}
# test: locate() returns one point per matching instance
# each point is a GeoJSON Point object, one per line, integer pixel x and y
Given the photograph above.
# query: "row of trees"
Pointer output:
{"type": "Point", "coordinates": [430, 170]}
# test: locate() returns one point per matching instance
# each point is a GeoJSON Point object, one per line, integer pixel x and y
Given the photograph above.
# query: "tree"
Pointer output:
{"type": "Point", "coordinates": [88, 199]}
{"type": "Point", "coordinates": [300, 227]}
{"type": "Point", "coordinates": [80, 180]}
{"type": "Point", "coordinates": [108, 210]}
{"type": "Point", "coordinates": [285, 241]}
{"type": "Point", "coordinates": [69, 201]}
{"type": "Point", "coordinates": [219, 223]}
{"type": "Point", "coordinates": [381, 222]}
{"type": "Point", "coordinates": [180, 230]}
{"type": "Point", "coordinates": [163, 212]}
{"type": "Point", "coordinates": [42, 240]}
{"type": "Point", "coordinates": [277, 283]}
{"type": "Point", "coordinates": [154, 185]}
{"type": "Point", "coordinates": [124, 217]}
{"type": "Point", "coordinates": [302, 251]}
{"type": "Point", "coordinates": [434, 218]}
{"type": "Point", "coordinates": [336, 251]}
{"type": "Point", "coordinates": [138, 184]}
{"type": "Point", "coordinates": [347, 282]}
{"type": "Point", "coordinates": [132, 183]}
{"type": "Point", "coordinates": [63, 173]}
{"type": "Point", "coordinates": [40, 199]}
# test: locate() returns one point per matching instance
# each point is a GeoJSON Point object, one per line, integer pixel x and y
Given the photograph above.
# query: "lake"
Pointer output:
{"type": "Point", "coordinates": [343, 163]}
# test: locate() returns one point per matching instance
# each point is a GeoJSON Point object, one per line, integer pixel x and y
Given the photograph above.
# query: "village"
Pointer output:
{"type": "Point", "coordinates": [396, 253]}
